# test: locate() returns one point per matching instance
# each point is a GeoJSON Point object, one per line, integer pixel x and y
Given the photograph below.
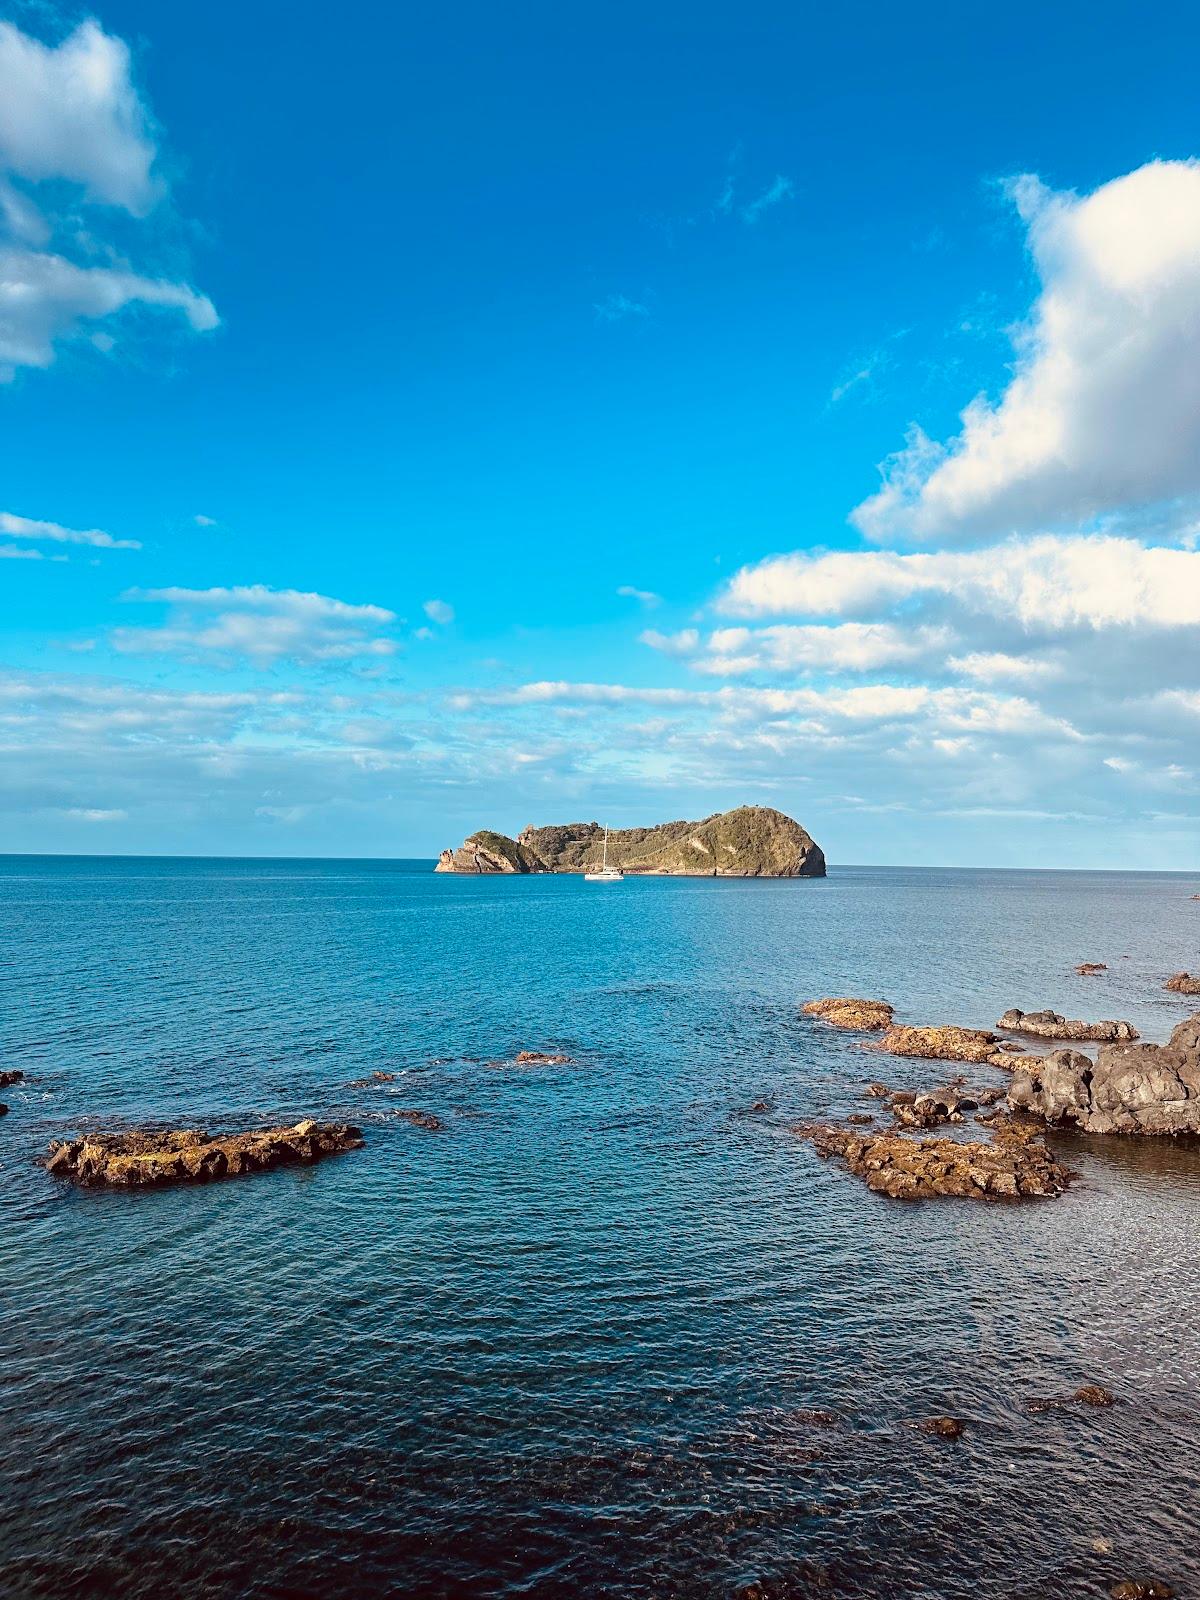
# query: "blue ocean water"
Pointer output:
{"type": "Point", "coordinates": [564, 1346]}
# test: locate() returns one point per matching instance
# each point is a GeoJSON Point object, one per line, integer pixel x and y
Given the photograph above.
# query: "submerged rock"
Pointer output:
{"type": "Point", "coordinates": [1090, 969]}
{"type": "Point", "coordinates": [748, 842]}
{"type": "Point", "coordinates": [1141, 1589]}
{"type": "Point", "coordinates": [421, 1119]}
{"type": "Point", "coordinates": [142, 1159]}
{"type": "Point", "coordinates": [1050, 1025]}
{"type": "Point", "coordinates": [1129, 1088]}
{"type": "Point", "coordinates": [1015, 1165]}
{"type": "Point", "coordinates": [7, 1079]}
{"type": "Point", "coordinates": [1181, 983]}
{"type": "Point", "coordinates": [863, 1015]}
{"type": "Point", "coordinates": [369, 1083]}
{"type": "Point", "coordinates": [1091, 1394]}
{"type": "Point", "coordinates": [943, 1043]}
{"type": "Point", "coordinates": [535, 1058]}
{"type": "Point", "coordinates": [3, 1109]}
{"type": "Point", "coordinates": [942, 1427]}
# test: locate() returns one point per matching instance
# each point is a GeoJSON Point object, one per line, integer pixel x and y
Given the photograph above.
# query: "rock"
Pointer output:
{"type": "Point", "coordinates": [7, 1079]}
{"type": "Point", "coordinates": [942, 1427]}
{"type": "Point", "coordinates": [757, 1107]}
{"type": "Point", "coordinates": [932, 1107]}
{"type": "Point", "coordinates": [1015, 1165]}
{"type": "Point", "coordinates": [1090, 969]}
{"type": "Point", "coordinates": [1129, 1088]}
{"type": "Point", "coordinates": [369, 1083]}
{"type": "Point", "coordinates": [860, 1119]}
{"type": "Point", "coordinates": [1141, 1588]}
{"type": "Point", "coordinates": [877, 1091]}
{"type": "Point", "coordinates": [3, 1109]}
{"type": "Point", "coordinates": [814, 1417]}
{"type": "Point", "coordinates": [145, 1159]}
{"type": "Point", "coordinates": [535, 1058]}
{"type": "Point", "coordinates": [1049, 1025]}
{"type": "Point", "coordinates": [1094, 1394]}
{"type": "Point", "coordinates": [939, 1043]}
{"type": "Point", "coordinates": [422, 1119]}
{"type": "Point", "coordinates": [864, 1015]}
{"type": "Point", "coordinates": [1091, 1394]}
{"type": "Point", "coordinates": [1181, 983]}
{"type": "Point", "coordinates": [749, 842]}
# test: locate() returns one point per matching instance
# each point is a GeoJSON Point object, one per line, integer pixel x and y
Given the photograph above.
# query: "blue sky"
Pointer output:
{"type": "Point", "coordinates": [413, 421]}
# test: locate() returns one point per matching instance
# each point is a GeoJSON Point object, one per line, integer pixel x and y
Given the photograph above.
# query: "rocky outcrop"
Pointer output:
{"type": "Point", "coordinates": [940, 1043]}
{"type": "Point", "coordinates": [1015, 1165]}
{"type": "Point", "coordinates": [1049, 1025]}
{"type": "Point", "coordinates": [7, 1079]}
{"type": "Point", "coordinates": [864, 1016]}
{"type": "Point", "coordinates": [490, 852]}
{"type": "Point", "coordinates": [140, 1159]}
{"type": "Point", "coordinates": [537, 1058]}
{"type": "Point", "coordinates": [1091, 969]}
{"type": "Point", "coordinates": [749, 842]}
{"type": "Point", "coordinates": [421, 1119]}
{"type": "Point", "coordinates": [1181, 983]}
{"type": "Point", "coordinates": [1091, 1394]}
{"type": "Point", "coordinates": [1129, 1088]}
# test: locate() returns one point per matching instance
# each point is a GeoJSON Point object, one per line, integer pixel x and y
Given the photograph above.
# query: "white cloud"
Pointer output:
{"type": "Point", "coordinates": [45, 298]}
{"type": "Point", "coordinates": [997, 666]}
{"type": "Point", "coordinates": [202, 521]}
{"type": "Point", "coordinates": [439, 611]}
{"type": "Point", "coordinates": [1103, 411]}
{"type": "Point", "coordinates": [259, 624]}
{"type": "Point", "coordinates": [1048, 583]}
{"type": "Point", "coordinates": [645, 597]}
{"type": "Point", "coordinates": [94, 814]}
{"type": "Point", "coordinates": [27, 528]}
{"type": "Point", "coordinates": [72, 112]}
{"type": "Point", "coordinates": [848, 647]}
{"type": "Point", "coordinates": [70, 115]}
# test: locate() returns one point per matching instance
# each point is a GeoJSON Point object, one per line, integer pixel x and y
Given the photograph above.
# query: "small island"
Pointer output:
{"type": "Point", "coordinates": [748, 842]}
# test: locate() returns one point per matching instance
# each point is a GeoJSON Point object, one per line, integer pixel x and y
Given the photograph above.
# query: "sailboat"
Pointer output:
{"type": "Point", "coordinates": [606, 874]}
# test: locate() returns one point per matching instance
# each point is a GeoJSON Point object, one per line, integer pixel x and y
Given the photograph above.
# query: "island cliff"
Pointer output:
{"type": "Point", "coordinates": [749, 842]}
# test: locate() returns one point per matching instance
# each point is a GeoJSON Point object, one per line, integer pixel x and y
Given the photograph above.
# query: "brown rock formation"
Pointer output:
{"type": "Point", "coordinates": [863, 1015]}
{"type": "Point", "coordinates": [943, 1043]}
{"type": "Point", "coordinates": [1181, 983]}
{"type": "Point", "coordinates": [1050, 1025]}
{"type": "Point", "coordinates": [1090, 969]}
{"type": "Point", "coordinates": [1014, 1166]}
{"type": "Point", "coordinates": [1129, 1088]}
{"type": "Point", "coordinates": [422, 1119]}
{"type": "Point", "coordinates": [142, 1159]}
{"type": "Point", "coordinates": [535, 1058]}
{"type": "Point", "coordinates": [486, 851]}
{"type": "Point", "coordinates": [7, 1079]}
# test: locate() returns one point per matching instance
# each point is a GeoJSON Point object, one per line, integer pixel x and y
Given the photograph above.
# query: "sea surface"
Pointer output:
{"type": "Point", "coordinates": [564, 1346]}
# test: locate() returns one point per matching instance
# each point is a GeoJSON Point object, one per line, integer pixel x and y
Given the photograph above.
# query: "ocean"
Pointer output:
{"type": "Point", "coordinates": [566, 1345]}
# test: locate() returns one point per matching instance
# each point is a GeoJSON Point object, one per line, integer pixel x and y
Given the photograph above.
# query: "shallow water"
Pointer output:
{"type": "Point", "coordinates": [559, 1348]}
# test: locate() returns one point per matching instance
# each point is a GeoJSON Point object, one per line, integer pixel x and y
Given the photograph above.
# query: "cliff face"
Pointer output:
{"type": "Point", "coordinates": [750, 842]}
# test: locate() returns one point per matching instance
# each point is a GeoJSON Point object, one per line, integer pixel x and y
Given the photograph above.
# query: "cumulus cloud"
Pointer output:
{"type": "Point", "coordinates": [28, 528]}
{"type": "Point", "coordinates": [70, 115]}
{"type": "Point", "coordinates": [1103, 410]}
{"type": "Point", "coordinates": [260, 625]}
{"type": "Point", "coordinates": [845, 647]}
{"type": "Point", "coordinates": [1047, 583]}
{"type": "Point", "coordinates": [439, 611]}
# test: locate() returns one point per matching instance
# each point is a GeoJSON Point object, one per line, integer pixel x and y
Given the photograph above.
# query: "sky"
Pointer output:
{"type": "Point", "coordinates": [414, 420]}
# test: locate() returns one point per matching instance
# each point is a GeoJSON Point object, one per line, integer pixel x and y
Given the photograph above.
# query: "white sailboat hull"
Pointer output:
{"type": "Point", "coordinates": [609, 875]}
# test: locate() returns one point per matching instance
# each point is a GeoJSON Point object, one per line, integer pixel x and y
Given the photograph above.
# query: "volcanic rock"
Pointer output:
{"type": "Point", "coordinates": [7, 1079]}
{"type": "Point", "coordinates": [942, 1427]}
{"type": "Point", "coordinates": [1014, 1166]}
{"type": "Point", "coordinates": [1091, 1394]}
{"type": "Point", "coordinates": [1181, 983]}
{"type": "Point", "coordinates": [943, 1043]}
{"type": "Point", "coordinates": [421, 1119]}
{"type": "Point", "coordinates": [863, 1015]}
{"type": "Point", "coordinates": [3, 1109]}
{"type": "Point", "coordinates": [369, 1083]}
{"type": "Point", "coordinates": [1049, 1025]}
{"type": "Point", "coordinates": [749, 842]}
{"type": "Point", "coordinates": [1129, 1088]}
{"type": "Point", "coordinates": [932, 1107]}
{"type": "Point", "coordinates": [535, 1058]}
{"type": "Point", "coordinates": [145, 1159]}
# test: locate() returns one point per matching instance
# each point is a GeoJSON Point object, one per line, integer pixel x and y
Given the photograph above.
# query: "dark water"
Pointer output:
{"type": "Point", "coordinates": [559, 1347]}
